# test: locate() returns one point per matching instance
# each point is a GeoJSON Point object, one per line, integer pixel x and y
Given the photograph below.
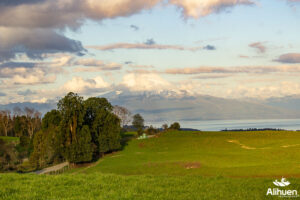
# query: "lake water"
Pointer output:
{"type": "Point", "coordinates": [217, 125]}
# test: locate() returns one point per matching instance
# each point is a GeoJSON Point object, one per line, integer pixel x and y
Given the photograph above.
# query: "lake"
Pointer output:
{"type": "Point", "coordinates": [217, 125]}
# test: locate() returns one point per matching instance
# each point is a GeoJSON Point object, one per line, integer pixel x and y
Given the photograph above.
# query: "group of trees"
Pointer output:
{"type": "Point", "coordinates": [78, 131]}
{"type": "Point", "coordinates": [21, 123]}
{"type": "Point", "coordinates": [174, 126]}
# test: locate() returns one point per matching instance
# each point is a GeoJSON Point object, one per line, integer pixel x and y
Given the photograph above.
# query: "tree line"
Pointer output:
{"type": "Point", "coordinates": [77, 131]}
{"type": "Point", "coordinates": [22, 124]}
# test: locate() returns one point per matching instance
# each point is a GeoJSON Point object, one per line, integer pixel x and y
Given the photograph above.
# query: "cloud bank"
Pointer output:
{"type": "Point", "coordinates": [35, 27]}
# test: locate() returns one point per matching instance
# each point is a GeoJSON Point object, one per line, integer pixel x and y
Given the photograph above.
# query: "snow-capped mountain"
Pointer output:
{"type": "Point", "coordinates": [171, 105]}
{"type": "Point", "coordinates": [164, 105]}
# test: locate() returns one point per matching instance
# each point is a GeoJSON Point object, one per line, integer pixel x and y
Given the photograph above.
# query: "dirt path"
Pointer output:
{"type": "Point", "coordinates": [85, 168]}
{"type": "Point", "coordinates": [242, 145]}
{"type": "Point", "coordinates": [52, 169]}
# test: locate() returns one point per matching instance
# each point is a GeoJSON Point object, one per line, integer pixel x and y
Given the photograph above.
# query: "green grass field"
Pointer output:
{"type": "Point", "coordinates": [175, 165]}
{"type": "Point", "coordinates": [233, 154]}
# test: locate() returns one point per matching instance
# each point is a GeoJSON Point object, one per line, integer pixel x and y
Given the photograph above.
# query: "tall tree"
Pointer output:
{"type": "Point", "coordinates": [104, 125]}
{"type": "Point", "coordinates": [138, 123]}
{"type": "Point", "coordinates": [51, 119]}
{"type": "Point", "coordinates": [72, 113]}
{"type": "Point", "coordinates": [76, 137]}
{"type": "Point", "coordinates": [82, 149]}
{"type": "Point", "coordinates": [5, 120]}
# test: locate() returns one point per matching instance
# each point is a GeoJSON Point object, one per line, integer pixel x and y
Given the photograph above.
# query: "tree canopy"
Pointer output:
{"type": "Point", "coordinates": [84, 130]}
{"type": "Point", "coordinates": [138, 123]}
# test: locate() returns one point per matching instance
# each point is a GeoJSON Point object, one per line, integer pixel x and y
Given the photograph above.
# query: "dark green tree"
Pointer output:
{"type": "Point", "coordinates": [81, 149]}
{"type": "Point", "coordinates": [51, 119]}
{"type": "Point", "coordinates": [138, 123]}
{"type": "Point", "coordinates": [175, 126]}
{"type": "Point", "coordinates": [103, 124]}
{"type": "Point", "coordinates": [72, 117]}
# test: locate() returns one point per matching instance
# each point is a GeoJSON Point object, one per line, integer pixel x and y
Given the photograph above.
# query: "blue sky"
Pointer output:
{"type": "Point", "coordinates": [230, 49]}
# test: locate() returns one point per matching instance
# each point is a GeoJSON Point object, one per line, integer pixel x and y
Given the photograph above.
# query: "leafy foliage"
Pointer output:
{"type": "Point", "coordinates": [138, 123]}
{"type": "Point", "coordinates": [175, 126]}
{"type": "Point", "coordinates": [83, 131]}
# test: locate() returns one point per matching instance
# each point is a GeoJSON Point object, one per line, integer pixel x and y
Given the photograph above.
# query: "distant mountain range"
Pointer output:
{"type": "Point", "coordinates": [171, 106]}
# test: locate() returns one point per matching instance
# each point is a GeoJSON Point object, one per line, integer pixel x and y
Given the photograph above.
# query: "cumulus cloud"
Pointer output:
{"type": "Point", "coordinates": [80, 85]}
{"type": "Point", "coordinates": [196, 8]}
{"type": "Point", "coordinates": [34, 43]}
{"type": "Point", "coordinates": [29, 79]}
{"type": "Point", "coordinates": [284, 88]}
{"type": "Point", "coordinates": [34, 27]}
{"type": "Point", "coordinates": [260, 47]}
{"type": "Point", "coordinates": [28, 73]}
{"type": "Point", "coordinates": [68, 13]}
{"type": "Point", "coordinates": [71, 13]}
{"type": "Point", "coordinates": [145, 82]}
{"type": "Point", "coordinates": [289, 58]}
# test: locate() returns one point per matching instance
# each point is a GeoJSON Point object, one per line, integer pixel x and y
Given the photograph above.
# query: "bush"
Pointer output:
{"type": "Point", "coordinates": [175, 126]}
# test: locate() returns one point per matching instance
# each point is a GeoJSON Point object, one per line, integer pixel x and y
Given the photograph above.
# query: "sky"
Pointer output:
{"type": "Point", "coordinates": [223, 48]}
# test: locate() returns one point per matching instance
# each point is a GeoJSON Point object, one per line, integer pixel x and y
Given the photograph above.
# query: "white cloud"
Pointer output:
{"type": "Point", "coordinates": [145, 82]}
{"type": "Point", "coordinates": [200, 8]}
{"type": "Point", "coordinates": [80, 85]}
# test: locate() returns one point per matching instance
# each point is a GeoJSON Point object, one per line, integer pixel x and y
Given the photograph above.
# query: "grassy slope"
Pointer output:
{"type": "Point", "coordinates": [210, 153]}
{"type": "Point", "coordinates": [166, 157]}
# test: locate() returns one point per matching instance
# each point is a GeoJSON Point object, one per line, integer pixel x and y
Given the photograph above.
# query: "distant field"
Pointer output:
{"type": "Point", "coordinates": [233, 154]}
{"type": "Point", "coordinates": [9, 139]}
{"type": "Point", "coordinates": [175, 165]}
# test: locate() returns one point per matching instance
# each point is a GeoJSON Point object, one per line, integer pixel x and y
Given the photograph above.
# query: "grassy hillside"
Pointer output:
{"type": "Point", "coordinates": [268, 153]}
{"type": "Point", "coordinates": [175, 165]}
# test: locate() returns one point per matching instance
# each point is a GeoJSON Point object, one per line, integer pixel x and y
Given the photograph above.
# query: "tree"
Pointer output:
{"type": "Point", "coordinates": [123, 113]}
{"type": "Point", "coordinates": [175, 126]}
{"type": "Point", "coordinates": [8, 157]}
{"type": "Point", "coordinates": [5, 115]}
{"type": "Point", "coordinates": [103, 124]}
{"type": "Point", "coordinates": [72, 114]}
{"type": "Point", "coordinates": [164, 127]}
{"type": "Point", "coordinates": [81, 149]}
{"type": "Point", "coordinates": [108, 128]}
{"type": "Point", "coordinates": [151, 130]}
{"type": "Point", "coordinates": [19, 126]}
{"type": "Point", "coordinates": [138, 123]}
{"type": "Point", "coordinates": [51, 119]}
